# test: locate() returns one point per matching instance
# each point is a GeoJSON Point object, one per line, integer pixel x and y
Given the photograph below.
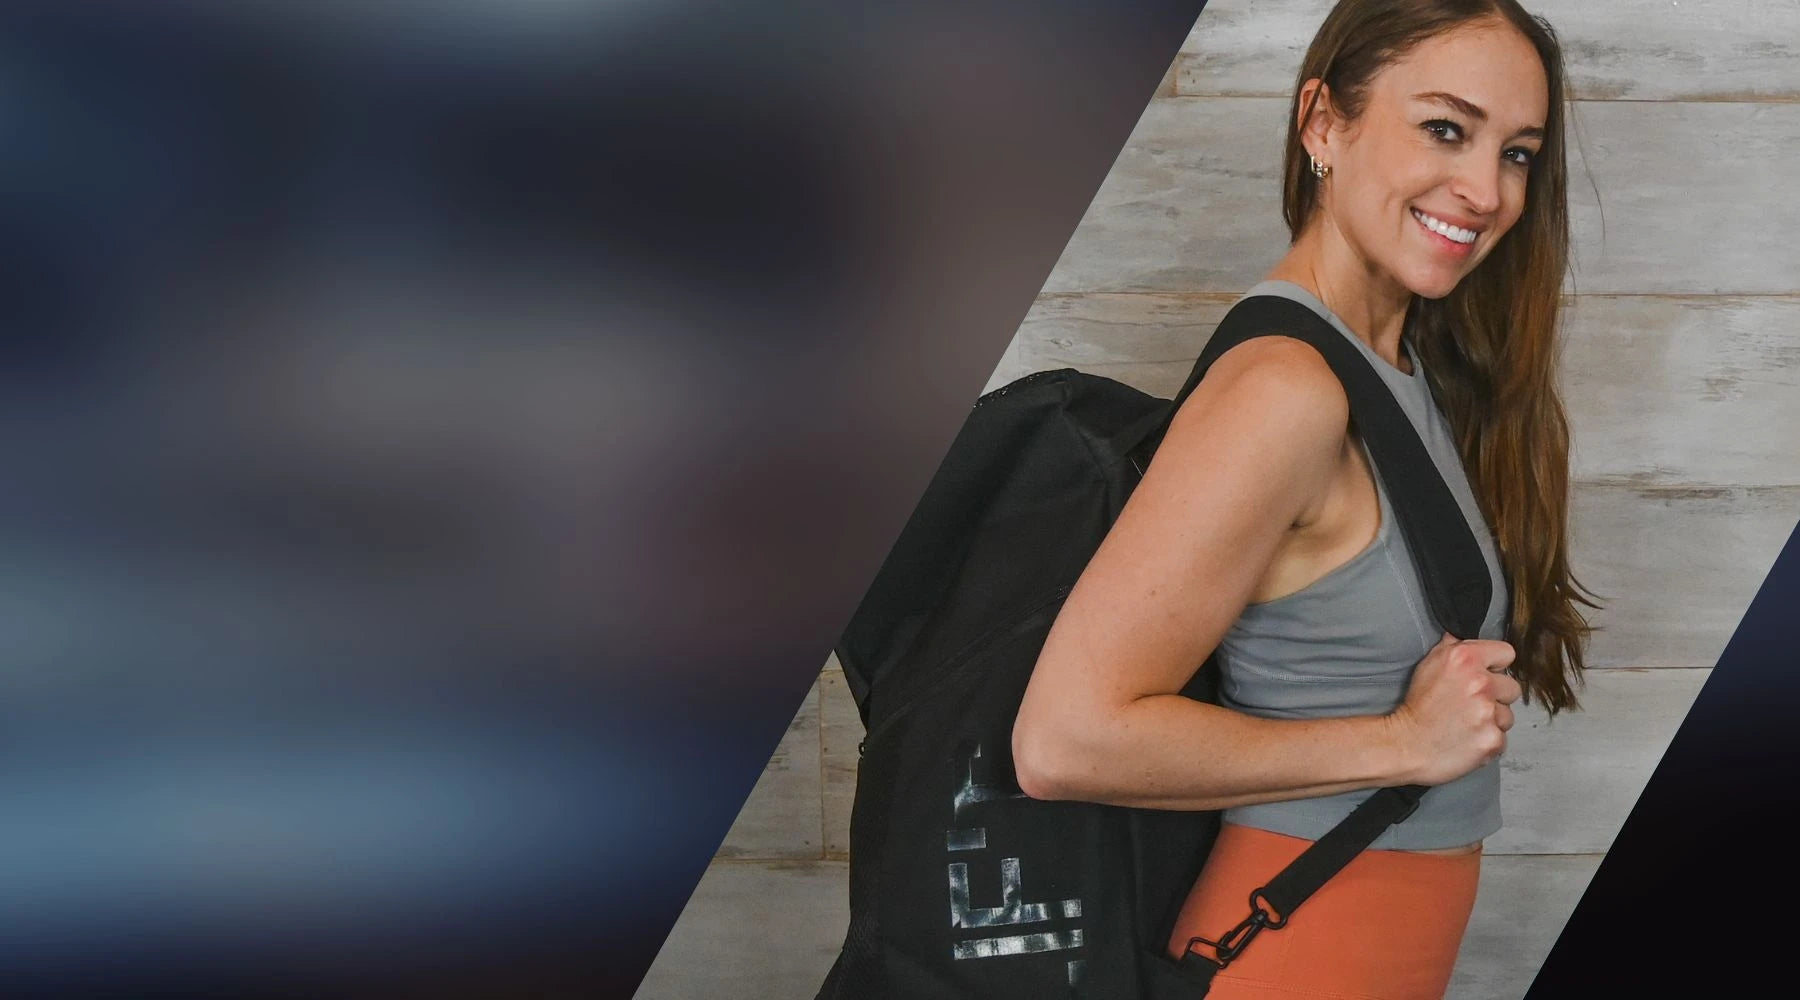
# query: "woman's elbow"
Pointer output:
{"type": "Point", "coordinates": [1041, 759]}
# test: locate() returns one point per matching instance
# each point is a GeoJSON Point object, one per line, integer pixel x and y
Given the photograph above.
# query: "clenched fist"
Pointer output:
{"type": "Point", "coordinates": [1457, 709]}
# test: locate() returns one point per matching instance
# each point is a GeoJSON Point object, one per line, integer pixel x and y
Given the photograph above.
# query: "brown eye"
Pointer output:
{"type": "Point", "coordinates": [1444, 129]}
{"type": "Point", "coordinates": [1524, 156]}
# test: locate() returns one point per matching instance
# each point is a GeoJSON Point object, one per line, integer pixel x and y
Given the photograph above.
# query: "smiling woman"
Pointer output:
{"type": "Point", "coordinates": [1424, 191]}
{"type": "Point", "coordinates": [1429, 180]}
{"type": "Point", "coordinates": [1454, 110]}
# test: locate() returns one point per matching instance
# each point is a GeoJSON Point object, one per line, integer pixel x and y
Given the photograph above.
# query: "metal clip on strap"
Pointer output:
{"type": "Point", "coordinates": [1233, 942]}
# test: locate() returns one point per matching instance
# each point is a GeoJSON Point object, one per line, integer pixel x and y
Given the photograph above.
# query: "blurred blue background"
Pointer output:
{"type": "Point", "coordinates": [441, 442]}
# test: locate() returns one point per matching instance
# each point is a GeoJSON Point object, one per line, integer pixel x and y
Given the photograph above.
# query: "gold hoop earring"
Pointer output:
{"type": "Point", "coordinates": [1320, 168]}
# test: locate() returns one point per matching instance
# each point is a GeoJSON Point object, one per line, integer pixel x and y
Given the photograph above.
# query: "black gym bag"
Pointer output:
{"type": "Point", "coordinates": [962, 886]}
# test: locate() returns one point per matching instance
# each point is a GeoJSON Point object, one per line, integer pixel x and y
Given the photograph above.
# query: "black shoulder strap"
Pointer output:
{"type": "Point", "coordinates": [1451, 566]}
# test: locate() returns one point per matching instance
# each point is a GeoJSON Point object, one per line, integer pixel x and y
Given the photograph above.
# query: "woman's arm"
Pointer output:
{"type": "Point", "coordinates": [1251, 449]}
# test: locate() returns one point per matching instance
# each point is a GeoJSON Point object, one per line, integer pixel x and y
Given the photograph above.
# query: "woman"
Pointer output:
{"type": "Point", "coordinates": [1425, 197]}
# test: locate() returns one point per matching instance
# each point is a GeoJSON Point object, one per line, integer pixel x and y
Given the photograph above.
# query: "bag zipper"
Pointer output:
{"type": "Point", "coordinates": [957, 660]}
{"type": "Point", "coordinates": [1020, 383]}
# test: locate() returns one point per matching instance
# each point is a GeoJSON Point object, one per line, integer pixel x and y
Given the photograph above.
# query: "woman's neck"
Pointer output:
{"type": "Point", "coordinates": [1370, 303]}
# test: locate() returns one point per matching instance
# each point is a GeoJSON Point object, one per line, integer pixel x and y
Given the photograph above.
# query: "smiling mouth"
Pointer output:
{"type": "Point", "coordinates": [1454, 234]}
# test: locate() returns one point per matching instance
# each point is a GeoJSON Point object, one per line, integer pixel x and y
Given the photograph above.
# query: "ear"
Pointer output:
{"type": "Point", "coordinates": [1315, 131]}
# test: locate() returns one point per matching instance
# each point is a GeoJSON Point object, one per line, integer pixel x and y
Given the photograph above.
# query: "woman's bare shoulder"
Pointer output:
{"type": "Point", "coordinates": [1276, 392]}
{"type": "Point", "coordinates": [1247, 454]}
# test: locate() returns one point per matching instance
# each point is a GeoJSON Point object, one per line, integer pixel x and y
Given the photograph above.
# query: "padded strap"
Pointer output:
{"type": "Point", "coordinates": [1329, 854]}
{"type": "Point", "coordinates": [1451, 565]}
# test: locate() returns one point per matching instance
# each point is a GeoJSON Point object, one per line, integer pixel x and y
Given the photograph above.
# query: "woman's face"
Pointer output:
{"type": "Point", "coordinates": [1445, 139]}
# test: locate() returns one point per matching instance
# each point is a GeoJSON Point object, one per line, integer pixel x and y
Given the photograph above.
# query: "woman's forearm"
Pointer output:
{"type": "Point", "coordinates": [1171, 752]}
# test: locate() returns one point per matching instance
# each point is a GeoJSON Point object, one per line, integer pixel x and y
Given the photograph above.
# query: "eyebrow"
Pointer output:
{"type": "Point", "coordinates": [1474, 111]}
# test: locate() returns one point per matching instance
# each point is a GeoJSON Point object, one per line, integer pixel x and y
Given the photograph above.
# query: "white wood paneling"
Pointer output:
{"type": "Point", "coordinates": [1660, 390]}
{"type": "Point", "coordinates": [784, 814]}
{"type": "Point", "coordinates": [1568, 783]}
{"type": "Point", "coordinates": [1684, 390]}
{"type": "Point", "coordinates": [1681, 376]}
{"type": "Point", "coordinates": [1676, 566]}
{"type": "Point", "coordinates": [754, 929]}
{"type": "Point", "coordinates": [1641, 50]}
{"type": "Point", "coordinates": [1193, 201]}
{"type": "Point", "coordinates": [1148, 341]}
{"type": "Point", "coordinates": [841, 730]}
{"type": "Point", "coordinates": [772, 929]}
{"type": "Point", "coordinates": [1521, 907]}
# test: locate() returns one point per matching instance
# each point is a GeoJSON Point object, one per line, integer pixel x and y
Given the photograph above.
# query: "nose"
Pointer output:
{"type": "Point", "coordinates": [1477, 182]}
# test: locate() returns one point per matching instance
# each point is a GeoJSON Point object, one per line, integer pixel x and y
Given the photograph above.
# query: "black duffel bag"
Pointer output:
{"type": "Point", "coordinates": [960, 884]}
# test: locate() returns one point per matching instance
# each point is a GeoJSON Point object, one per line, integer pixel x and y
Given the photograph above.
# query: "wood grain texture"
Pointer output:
{"type": "Point", "coordinates": [1148, 341]}
{"type": "Point", "coordinates": [1660, 390]}
{"type": "Point", "coordinates": [772, 929]}
{"type": "Point", "coordinates": [754, 929]}
{"type": "Point", "coordinates": [1568, 783]}
{"type": "Point", "coordinates": [1680, 374]}
{"type": "Point", "coordinates": [1193, 202]}
{"type": "Point", "coordinates": [1676, 567]}
{"type": "Point", "coordinates": [1670, 51]}
{"type": "Point", "coordinates": [841, 729]}
{"type": "Point", "coordinates": [784, 814]}
{"type": "Point", "coordinates": [1521, 907]}
{"type": "Point", "coordinates": [1685, 390]}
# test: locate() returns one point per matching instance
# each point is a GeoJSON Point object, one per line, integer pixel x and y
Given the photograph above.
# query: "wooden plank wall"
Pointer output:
{"type": "Point", "coordinates": [1682, 377]}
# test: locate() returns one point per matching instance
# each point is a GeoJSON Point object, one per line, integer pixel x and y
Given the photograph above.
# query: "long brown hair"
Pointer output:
{"type": "Point", "coordinates": [1490, 347]}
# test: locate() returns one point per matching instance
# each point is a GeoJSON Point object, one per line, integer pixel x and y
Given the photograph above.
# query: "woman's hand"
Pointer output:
{"type": "Point", "coordinates": [1457, 709]}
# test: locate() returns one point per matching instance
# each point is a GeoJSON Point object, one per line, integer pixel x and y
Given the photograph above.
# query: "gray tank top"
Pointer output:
{"type": "Point", "coordinates": [1347, 643]}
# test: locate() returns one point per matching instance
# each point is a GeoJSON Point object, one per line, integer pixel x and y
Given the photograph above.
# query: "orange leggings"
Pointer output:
{"type": "Point", "coordinates": [1387, 927]}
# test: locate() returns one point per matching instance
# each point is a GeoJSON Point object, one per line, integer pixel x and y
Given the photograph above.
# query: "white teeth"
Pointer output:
{"type": "Point", "coordinates": [1441, 227]}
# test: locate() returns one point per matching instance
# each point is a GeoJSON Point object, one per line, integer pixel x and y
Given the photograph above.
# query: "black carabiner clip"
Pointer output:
{"type": "Point", "coordinates": [1234, 941]}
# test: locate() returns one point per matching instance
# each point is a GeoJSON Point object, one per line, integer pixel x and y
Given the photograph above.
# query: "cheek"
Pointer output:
{"type": "Point", "coordinates": [1513, 212]}
{"type": "Point", "coordinates": [1514, 195]}
{"type": "Point", "coordinates": [1382, 198]}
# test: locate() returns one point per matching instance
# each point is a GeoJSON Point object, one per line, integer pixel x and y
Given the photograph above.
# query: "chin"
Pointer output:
{"type": "Point", "coordinates": [1432, 285]}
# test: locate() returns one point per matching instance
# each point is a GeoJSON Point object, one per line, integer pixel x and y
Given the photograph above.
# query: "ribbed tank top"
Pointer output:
{"type": "Point", "coordinates": [1347, 643]}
